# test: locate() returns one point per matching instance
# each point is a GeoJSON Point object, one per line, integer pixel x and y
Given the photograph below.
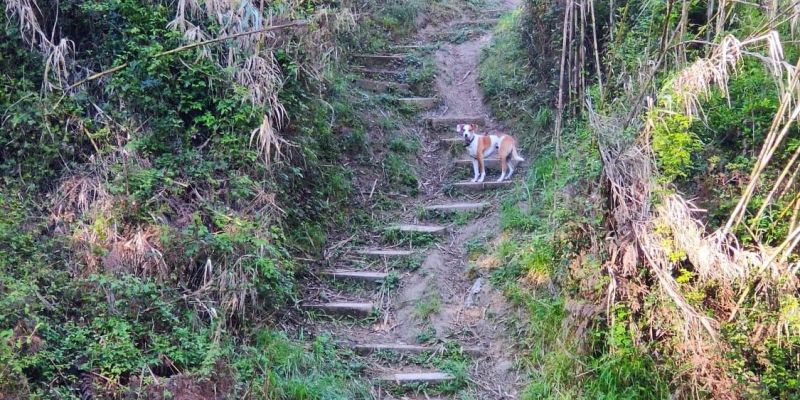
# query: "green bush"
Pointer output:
{"type": "Point", "coordinates": [674, 145]}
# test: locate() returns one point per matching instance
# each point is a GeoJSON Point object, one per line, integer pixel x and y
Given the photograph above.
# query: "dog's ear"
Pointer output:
{"type": "Point", "coordinates": [460, 128]}
{"type": "Point", "coordinates": [473, 128]}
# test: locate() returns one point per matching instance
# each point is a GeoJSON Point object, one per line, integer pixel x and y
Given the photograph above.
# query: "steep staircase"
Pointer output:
{"type": "Point", "coordinates": [359, 291]}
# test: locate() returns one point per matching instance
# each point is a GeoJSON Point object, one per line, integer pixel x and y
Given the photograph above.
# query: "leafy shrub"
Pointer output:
{"type": "Point", "coordinates": [674, 145]}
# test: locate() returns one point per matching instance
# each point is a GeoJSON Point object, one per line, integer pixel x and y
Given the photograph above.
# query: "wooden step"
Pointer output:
{"type": "Point", "coordinates": [494, 12]}
{"type": "Point", "coordinates": [403, 378]}
{"type": "Point", "coordinates": [457, 207]}
{"type": "Point", "coordinates": [373, 72]}
{"type": "Point", "coordinates": [412, 228]}
{"type": "Point", "coordinates": [380, 86]}
{"type": "Point", "coordinates": [481, 21]}
{"type": "Point", "coordinates": [451, 122]}
{"type": "Point", "coordinates": [485, 185]}
{"type": "Point", "coordinates": [364, 349]}
{"type": "Point", "coordinates": [420, 102]}
{"type": "Point", "coordinates": [372, 60]}
{"type": "Point", "coordinates": [361, 276]}
{"type": "Point", "coordinates": [451, 141]}
{"type": "Point", "coordinates": [490, 162]}
{"type": "Point", "coordinates": [384, 252]}
{"type": "Point", "coordinates": [343, 308]}
{"type": "Point", "coordinates": [410, 46]}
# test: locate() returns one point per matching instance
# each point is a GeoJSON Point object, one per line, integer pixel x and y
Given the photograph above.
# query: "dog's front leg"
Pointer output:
{"type": "Point", "coordinates": [475, 169]}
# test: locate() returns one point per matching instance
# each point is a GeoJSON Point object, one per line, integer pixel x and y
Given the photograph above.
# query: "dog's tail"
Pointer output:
{"type": "Point", "coordinates": [516, 155]}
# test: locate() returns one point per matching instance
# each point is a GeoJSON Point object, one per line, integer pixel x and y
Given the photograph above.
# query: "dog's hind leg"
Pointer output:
{"type": "Point", "coordinates": [503, 167]}
{"type": "Point", "coordinates": [511, 165]}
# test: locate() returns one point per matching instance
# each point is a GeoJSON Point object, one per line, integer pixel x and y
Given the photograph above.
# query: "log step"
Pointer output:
{"type": "Point", "coordinates": [379, 59]}
{"type": "Point", "coordinates": [444, 122]}
{"type": "Point", "coordinates": [411, 228]}
{"type": "Point", "coordinates": [457, 207]}
{"type": "Point", "coordinates": [364, 349]}
{"type": "Point", "coordinates": [482, 21]}
{"type": "Point", "coordinates": [343, 308]}
{"type": "Point", "coordinates": [421, 102]}
{"type": "Point", "coordinates": [361, 276]}
{"type": "Point", "coordinates": [384, 252]}
{"type": "Point", "coordinates": [478, 186]}
{"type": "Point", "coordinates": [488, 162]}
{"type": "Point", "coordinates": [449, 141]}
{"type": "Point", "coordinates": [380, 72]}
{"type": "Point", "coordinates": [403, 378]}
{"type": "Point", "coordinates": [494, 12]}
{"type": "Point", "coordinates": [380, 86]}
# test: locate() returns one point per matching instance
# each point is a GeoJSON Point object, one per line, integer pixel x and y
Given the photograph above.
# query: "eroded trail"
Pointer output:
{"type": "Point", "coordinates": [439, 326]}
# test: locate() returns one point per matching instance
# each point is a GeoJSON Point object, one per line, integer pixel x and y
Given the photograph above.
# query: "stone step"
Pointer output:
{"type": "Point", "coordinates": [360, 276]}
{"type": "Point", "coordinates": [384, 252]}
{"type": "Point", "coordinates": [451, 122]}
{"type": "Point", "coordinates": [485, 185]}
{"type": "Point", "coordinates": [403, 378]}
{"type": "Point", "coordinates": [380, 86]}
{"type": "Point", "coordinates": [421, 102]}
{"type": "Point", "coordinates": [490, 162]}
{"type": "Point", "coordinates": [364, 349]}
{"type": "Point", "coordinates": [353, 309]}
{"type": "Point", "coordinates": [457, 207]}
{"type": "Point", "coordinates": [372, 60]}
{"type": "Point", "coordinates": [379, 72]}
{"type": "Point", "coordinates": [412, 228]}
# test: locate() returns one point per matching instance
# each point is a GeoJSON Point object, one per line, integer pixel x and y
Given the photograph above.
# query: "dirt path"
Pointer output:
{"type": "Point", "coordinates": [445, 300]}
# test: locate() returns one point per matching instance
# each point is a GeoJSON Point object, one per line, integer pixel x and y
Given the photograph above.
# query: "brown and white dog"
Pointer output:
{"type": "Point", "coordinates": [482, 146]}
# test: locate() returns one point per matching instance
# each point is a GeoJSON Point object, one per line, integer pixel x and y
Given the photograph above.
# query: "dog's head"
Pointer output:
{"type": "Point", "coordinates": [467, 131]}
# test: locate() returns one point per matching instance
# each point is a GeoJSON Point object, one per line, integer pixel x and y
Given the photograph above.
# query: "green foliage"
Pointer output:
{"type": "Point", "coordinates": [281, 368]}
{"type": "Point", "coordinates": [507, 82]}
{"type": "Point", "coordinates": [624, 371]}
{"type": "Point", "coordinates": [421, 67]}
{"type": "Point", "coordinates": [772, 362]}
{"type": "Point", "coordinates": [428, 305]}
{"type": "Point", "coordinates": [674, 145]}
{"type": "Point", "coordinates": [168, 142]}
{"type": "Point", "coordinates": [399, 172]}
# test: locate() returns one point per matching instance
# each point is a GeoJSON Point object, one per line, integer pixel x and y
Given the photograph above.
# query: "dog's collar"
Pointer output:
{"type": "Point", "coordinates": [466, 144]}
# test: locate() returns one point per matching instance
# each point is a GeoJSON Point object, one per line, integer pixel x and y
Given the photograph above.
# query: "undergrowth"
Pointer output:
{"type": "Point", "coordinates": [151, 221]}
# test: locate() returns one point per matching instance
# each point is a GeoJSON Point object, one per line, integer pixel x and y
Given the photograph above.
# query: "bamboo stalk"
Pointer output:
{"type": "Point", "coordinates": [665, 27]}
{"type": "Point", "coordinates": [761, 164]}
{"type": "Point", "coordinates": [770, 144]}
{"type": "Point", "coordinates": [709, 16]}
{"type": "Point", "coordinates": [611, 11]}
{"type": "Point", "coordinates": [795, 212]}
{"type": "Point", "coordinates": [683, 26]}
{"type": "Point", "coordinates": [567, 29]}
{"type": "Point", "coordinates": [776, 185]}
{"type": "Point", "coordinates": [560, 98]}
{"type": "Point", "coordinates": [596, 52]}
{"type": "Point", "coordinates": [581, 56]}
